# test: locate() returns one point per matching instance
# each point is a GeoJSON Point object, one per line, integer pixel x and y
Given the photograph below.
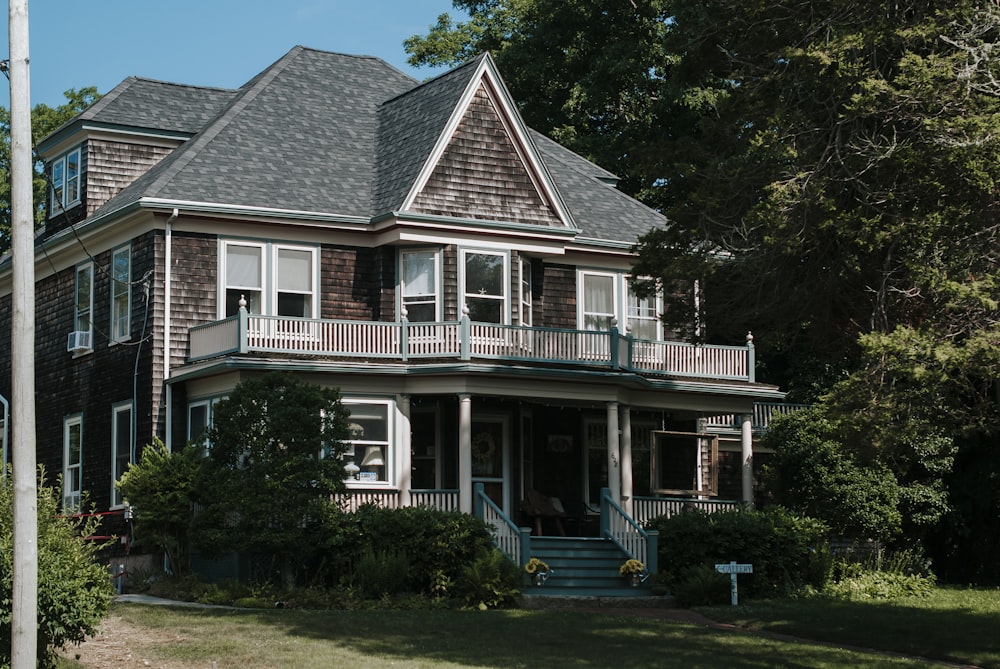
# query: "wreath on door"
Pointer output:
{"type": "Point", "coordinates": [484, 448]}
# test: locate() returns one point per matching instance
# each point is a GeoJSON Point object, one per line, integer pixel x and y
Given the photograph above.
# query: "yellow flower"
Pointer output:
{"type": "Point", "coordinates": [535, 565]}
{"type": "Point", "coordinates": [631, 566]}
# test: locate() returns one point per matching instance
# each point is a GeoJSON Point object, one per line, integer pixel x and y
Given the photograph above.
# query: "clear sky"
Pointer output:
{"type": "Point", "coordinates": [78, 43]}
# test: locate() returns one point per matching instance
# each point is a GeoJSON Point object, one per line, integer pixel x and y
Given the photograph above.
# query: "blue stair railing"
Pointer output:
{"type": "Point", "coordinates": [514, 541]}
{"type": "Point", "coordinates": [619, 527]}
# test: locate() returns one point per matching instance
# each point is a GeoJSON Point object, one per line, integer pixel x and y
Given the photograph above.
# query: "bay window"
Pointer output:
{"type": "Point", "coordinates": [418, 271]}
{"type": "Point", "coordinates": [368, 441]}
{"type": "Point", "coordinates": [484, 285]}
{"type": "Point", "coordinates": [601, 306]}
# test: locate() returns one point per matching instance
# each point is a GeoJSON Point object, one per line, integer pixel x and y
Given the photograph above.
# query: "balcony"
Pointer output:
{"type": "Point", "coordinates": [465, 340]}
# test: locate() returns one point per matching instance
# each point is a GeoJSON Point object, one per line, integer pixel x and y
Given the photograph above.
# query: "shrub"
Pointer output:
{"type": "Point", "coordinates": [74, 591]}
{"type": "Point", "coordinates": [491, 580]}
{"type": "Point", "coordinates": [700, 585]}
{"type": "Point", "coordinates": [787, 552]}
{"type": "Point", "coordinates": [380, 573]}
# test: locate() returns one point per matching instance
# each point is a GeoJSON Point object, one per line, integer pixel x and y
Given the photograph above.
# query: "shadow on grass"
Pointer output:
{"type": "Point", "coordinates": [553, 640]}
{"type": "Point", "coordinates": [951, 625]}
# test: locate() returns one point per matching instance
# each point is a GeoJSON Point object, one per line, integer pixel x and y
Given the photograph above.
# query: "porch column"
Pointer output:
{"type": "Point", "coordinates": [614, 469]}
{"type": "Point", "coordinates": [626, 426]}
{"type": "Point", "coordinates": [465, 453]}
{"type": "Point", "coordinates": [405, 450]}
{"type": "Point", "coordinates": [746, 441]}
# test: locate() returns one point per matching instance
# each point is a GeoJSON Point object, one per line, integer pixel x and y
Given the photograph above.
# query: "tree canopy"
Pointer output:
{"type": "Point", "coordinates": [44, 120]}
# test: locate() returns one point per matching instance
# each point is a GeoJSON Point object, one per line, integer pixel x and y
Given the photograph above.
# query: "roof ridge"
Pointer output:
{"type": "Point", "coordinates": [185, 153]}
{"type": "Point", "coordinates": [427, 82]}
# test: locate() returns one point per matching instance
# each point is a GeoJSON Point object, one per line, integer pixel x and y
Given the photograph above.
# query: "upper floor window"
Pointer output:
{"type": "Point", "coordinates": [65, 182]}
{"type": "Point", "coordinates": [84, 302]}
{"type": "Point", "coordinates": [121, 294]}
{"type": "Point", "coordinates": [72, 462]}
{"type": "Point", "coordinates": [274, 279]}
{"type": "Point", "coordinates": [121, 447]}
{"type": "Point", "coordinates": [526, 316]}
{"type": "Point", "coordinates": [418, 271]}
{"type": "Point", "coordinates": [484, 285]}
{"type": "Point", "coordinates": [601, 302]}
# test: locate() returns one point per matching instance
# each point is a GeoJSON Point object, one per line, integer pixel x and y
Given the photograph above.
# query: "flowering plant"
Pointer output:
{"type": "Point", "coordinates": [534, 566]}
{"type": "Point", "coordinates": [630, 567]}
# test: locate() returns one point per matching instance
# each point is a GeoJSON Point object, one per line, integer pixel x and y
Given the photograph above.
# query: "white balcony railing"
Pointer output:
{"type": "Point", "coordinates": [466, 340]}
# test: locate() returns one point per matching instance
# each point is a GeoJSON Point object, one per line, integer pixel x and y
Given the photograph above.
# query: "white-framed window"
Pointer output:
{"type": "Point", "coordinates": [122, 453]}
{"type": "Point", "coordinates": [368, 441]}
{"type": "Point", "coordinates": [525, 272]}
{"type": "Point", "coordinates": [484, 281]}
{"type": "Point", "coordinates": [72, 462]}
{"type": "Point", "coordinates": [419, 284]}
{"type": "Point", "coordinates": [274, 279]}
{"type": "Point", "coordinates": [601, 305]}
{"type": "Point", "coordinates": [65, 182]}
{"type": "Point", "coordinates": [200, 416]}
{"type": "Point", "coordinates": [84, 302]}
{"type": "Point", "coordinates": [121, 294]}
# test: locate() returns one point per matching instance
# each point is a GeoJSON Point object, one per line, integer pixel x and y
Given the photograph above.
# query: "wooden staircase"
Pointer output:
{"type": "Point", "coordinates": [583, 567]}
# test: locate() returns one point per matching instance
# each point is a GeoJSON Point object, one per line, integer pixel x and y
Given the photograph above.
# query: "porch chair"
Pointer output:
{"type": "Point", "coordinates": [540, 506]}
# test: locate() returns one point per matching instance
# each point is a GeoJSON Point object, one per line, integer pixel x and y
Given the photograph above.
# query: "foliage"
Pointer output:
{"type": "Point", "coordinates": [700, 585]}
{"type": "Point", "coordinates": [44, 120]}
{"type": "Point", "coordinates": [788, 552]}
{"type": "Point", "coordinates": [810, 468]}
{"type": "Point", "coordinates": [900, 574]}
{"type": "Point", "coordinates": [489, 581]}
{"type": "Point", "coordinates": [380, 573]}
{"type": "Point", "coordinates": [438, 544]}
{"type": "Point", "coordinates": [159, 488]}
{"type": "Point", "coordinates": [272, 469]}
{"type": "Point", "coordinates": [74, 591]}
{"type": "Point", "coordinates": [535, 565]}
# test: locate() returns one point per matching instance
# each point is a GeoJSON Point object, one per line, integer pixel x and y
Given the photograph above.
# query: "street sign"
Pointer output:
{"type": "Point", "coordinates": [734, 568]}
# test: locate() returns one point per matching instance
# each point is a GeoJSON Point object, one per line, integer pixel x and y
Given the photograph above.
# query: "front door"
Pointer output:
{"type": "Point", "coordinates": [490, 461]}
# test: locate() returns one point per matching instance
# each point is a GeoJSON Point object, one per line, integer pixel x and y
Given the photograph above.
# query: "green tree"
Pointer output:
{"type": "Point", "coordinates": [159, 488]}
{"type": "Point", "coordinates": [74, 591]}
{"type": "Point", "coordinates": [44, 120]}
{"type": "Point", "coordinates": [274, 464]}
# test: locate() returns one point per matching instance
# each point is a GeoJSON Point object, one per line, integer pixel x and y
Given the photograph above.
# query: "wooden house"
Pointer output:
{"type": "Point", "coordinates": [462, 279]}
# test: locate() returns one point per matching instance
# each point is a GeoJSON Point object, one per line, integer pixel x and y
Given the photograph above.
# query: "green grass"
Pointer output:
{"type": "Point", "coordinates": [953, 624]}
{"type": "Point", "coordinates": [445, 639]}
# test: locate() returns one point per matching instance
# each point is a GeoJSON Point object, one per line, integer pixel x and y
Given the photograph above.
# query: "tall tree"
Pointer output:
{"type": "Point", "coordinates": [44, 120]}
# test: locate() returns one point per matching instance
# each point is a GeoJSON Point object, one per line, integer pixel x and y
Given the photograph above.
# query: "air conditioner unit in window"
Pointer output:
{"type": "Point", "coordinates": [78, 341]}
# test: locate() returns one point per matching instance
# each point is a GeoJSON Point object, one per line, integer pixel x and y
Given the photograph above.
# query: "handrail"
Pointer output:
{"type": "Point", "coordinates": [619, 527]}
{"type": "Point", "coordinates": [514, 541]}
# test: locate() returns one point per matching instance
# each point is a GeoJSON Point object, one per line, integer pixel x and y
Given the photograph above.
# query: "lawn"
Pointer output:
{"type": "Point", "coordinates": [184, 637]}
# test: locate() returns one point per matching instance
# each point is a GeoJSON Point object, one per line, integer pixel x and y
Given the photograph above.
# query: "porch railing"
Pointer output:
{"type": "Point", "coordinates": [466, 340]}
{"type": "Point", "coordinates": [620, 528]}
{"type": "Point", "coordinates": [645, 509]}
{"type": "Point", "coordinates": [514, 541]}
{"type": "Point", "coordinates": [763, 414]}
{"type": "Point", "coordinates": [443, 500]}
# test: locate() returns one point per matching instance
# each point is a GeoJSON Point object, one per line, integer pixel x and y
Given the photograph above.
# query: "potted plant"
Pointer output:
{"type": "Point", "coordinates": [538, 571]}
{"type": "Point", "coordinates": [634, 571]}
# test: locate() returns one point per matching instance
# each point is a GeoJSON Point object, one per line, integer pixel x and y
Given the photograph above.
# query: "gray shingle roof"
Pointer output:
{"type": "Point", "coordinates": [330, 134]}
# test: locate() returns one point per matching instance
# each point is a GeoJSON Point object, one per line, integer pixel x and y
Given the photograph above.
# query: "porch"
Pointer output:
{"type": "Point", "coordinates": [466, 340]}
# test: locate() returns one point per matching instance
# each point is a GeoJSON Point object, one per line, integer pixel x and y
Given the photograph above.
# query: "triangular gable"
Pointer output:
{"type": "Point", "coordinates": [484, 166]}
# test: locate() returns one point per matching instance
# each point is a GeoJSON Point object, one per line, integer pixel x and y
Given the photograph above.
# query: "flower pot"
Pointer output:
{"type": "Point", "coordinates": [635, 580]}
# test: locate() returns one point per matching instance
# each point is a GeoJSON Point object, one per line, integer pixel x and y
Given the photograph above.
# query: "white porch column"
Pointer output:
{"type": "Point", "coordinates": [614, 468]}
{"type": "Point", "coordinates": [465, 453]}
{"type": "Point", "coordinates": [405, 450]}
{"type": "Point", "coordinates": [626, 427]}
{"type": "Point", "coordinates": [746, 441]}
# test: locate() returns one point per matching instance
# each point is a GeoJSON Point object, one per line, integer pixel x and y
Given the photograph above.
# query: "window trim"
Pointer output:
{"type": "Point", "coordinates": [72, 472]}
{"type": "Point", "coordinates": [273, 276]}
{"type": "Point", "coordinates": [582, 312]}
{"type": "Point", "coordinates": [115, 335]}
{"type": "Point", "coordinates": [437, 282]}
{"type": "Point", "coordinates": [117, 502]}
{"type": "Point", "coordinates": [657, 310]}
{"type": "Point", "coordinates": [87, 267]}
{"type": "Point", "coordinates": [268, 275]}
{"type": "Point", "coordinates": [504, 298]}
{"type": "Point", "coordinates": [526, 303]}
{"type": "Point", "coordinates": [57, 197]}
{"type": "Point", "coordinates": [391, 438]}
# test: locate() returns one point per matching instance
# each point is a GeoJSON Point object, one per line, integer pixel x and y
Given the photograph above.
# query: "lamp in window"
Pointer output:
{"type": "Point", "coordinates": [373, 457]}
{"type": "Point", "coordinates": [352, 469]}
{"type": "Point", "coordinates": [355, 430]}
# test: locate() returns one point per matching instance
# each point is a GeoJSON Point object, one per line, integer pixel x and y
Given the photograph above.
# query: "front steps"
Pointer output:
{"type": "Point", "coordinates": [583, 567]}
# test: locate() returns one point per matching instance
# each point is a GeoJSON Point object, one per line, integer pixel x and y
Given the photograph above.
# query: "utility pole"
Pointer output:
{"type": "Point", "coordinates": [24, 644]}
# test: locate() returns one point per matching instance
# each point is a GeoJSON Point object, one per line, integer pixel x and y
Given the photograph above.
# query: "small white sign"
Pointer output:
{"type": "Point", "coordinates": [734, 568]}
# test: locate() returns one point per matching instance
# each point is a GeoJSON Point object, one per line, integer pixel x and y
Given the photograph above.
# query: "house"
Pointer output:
{"type": "Point", "coordinates": [462, 279]}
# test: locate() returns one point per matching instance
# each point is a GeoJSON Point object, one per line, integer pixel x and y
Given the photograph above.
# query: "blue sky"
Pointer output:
{"type": "Point", "coordinates": [208, 42]}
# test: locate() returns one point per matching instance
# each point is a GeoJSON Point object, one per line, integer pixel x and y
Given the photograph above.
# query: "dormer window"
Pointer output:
{"type": "Point", "coordinates": [65, 182]}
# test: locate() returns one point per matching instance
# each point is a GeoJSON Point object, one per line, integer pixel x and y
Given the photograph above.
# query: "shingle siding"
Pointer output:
{"type": "Point", "coordinates": [114, 165]}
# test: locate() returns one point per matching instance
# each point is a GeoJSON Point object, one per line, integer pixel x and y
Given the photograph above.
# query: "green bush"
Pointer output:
{"type": "Point", "coordinates": [74, 591]}
{"type": "Point", "coordinates": [437, 544]}
{"type": "Point", "coordinates": [489, 581]}
{"type": "Point", "coordinates": [380, 573]}
{"type": "Point", "coordinates": [700, 585]}
{"type": "Point", "coordinates": [787, 552]}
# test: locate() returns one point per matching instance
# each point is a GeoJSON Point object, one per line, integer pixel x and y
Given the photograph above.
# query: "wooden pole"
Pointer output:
{"type": "Point", "coordinates": [24, 650]}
